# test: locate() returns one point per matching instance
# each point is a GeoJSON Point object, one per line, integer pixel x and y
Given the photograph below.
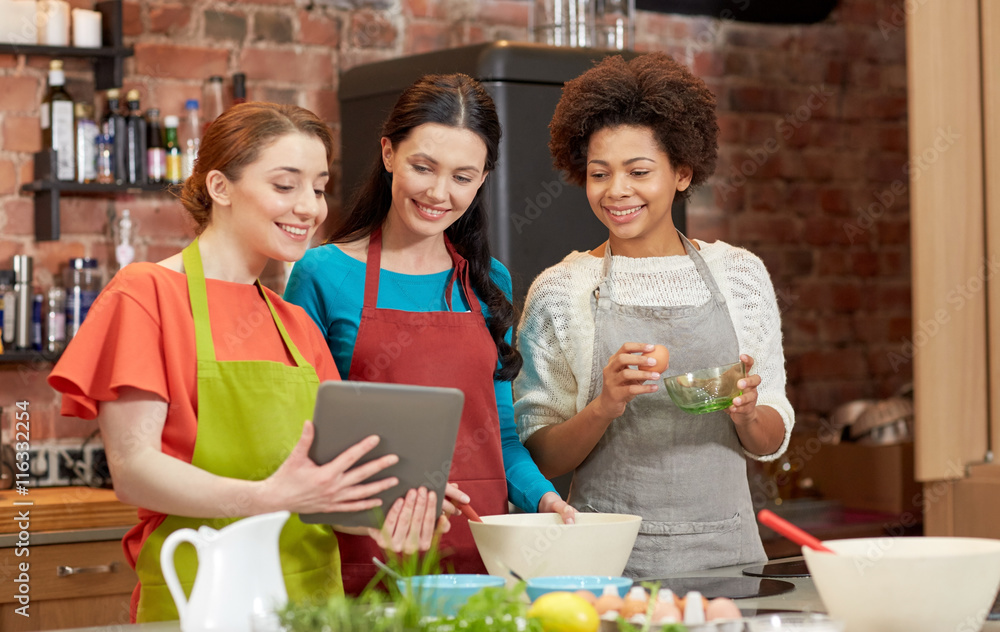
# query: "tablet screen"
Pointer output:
{"type": "Point", "coordinates": [417, 423]}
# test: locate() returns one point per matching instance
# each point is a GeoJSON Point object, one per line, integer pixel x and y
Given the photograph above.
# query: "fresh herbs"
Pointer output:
{"type": "Point", "coordinates": [497, 609]}
{"type": "Point", "coordinates": [490, 610]}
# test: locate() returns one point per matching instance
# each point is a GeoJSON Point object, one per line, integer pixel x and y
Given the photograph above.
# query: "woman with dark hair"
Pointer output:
{"type": "Point", "coordinates": [407, 292]}
{"type": "Point", "coordinates": [201, 426]}
{"type": "Point", "coordinates": [635, 135]}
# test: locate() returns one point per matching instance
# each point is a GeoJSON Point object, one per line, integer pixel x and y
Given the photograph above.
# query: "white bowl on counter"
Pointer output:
{"type": "Point", "coordinates": [907, 584]}
{"type": "Point", "coordinates": [540, 545]}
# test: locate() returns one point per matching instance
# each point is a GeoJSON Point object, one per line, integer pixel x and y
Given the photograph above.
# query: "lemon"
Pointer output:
{"type": "Point", "coordinates": [564, 612]}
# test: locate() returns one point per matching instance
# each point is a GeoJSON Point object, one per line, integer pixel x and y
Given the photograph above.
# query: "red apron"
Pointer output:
{"type": "Point", "coordinates": [451, 349]}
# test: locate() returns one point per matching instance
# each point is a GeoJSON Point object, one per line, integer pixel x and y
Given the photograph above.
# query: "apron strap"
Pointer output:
{"type": "Point", "coordinates": [702, 267]}
{"type": "Point", "coordinates": [603, 292]}
{"type": "Point", "coordinates": [372, 268]}
{"type": "Point", "coordinates": [460, 270]}
{"type": "Point", "coordinates": [300, 361]}
{"type": "Point", "coordinates": [198, 293]}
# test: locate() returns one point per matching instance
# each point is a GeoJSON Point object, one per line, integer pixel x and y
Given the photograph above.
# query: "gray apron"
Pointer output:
{"type": "Point", "coordinates": [684, 474]}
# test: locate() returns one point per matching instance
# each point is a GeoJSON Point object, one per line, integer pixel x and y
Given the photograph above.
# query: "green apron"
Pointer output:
{"type": "Point", "coordinates": [250, 416]}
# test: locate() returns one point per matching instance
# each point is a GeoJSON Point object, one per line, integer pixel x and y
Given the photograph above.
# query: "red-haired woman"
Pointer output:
{"type": "Point", "coordinates": [195, 428]}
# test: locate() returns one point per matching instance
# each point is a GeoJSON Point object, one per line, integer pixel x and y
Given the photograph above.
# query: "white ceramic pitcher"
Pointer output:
{"type": "Point", "coordinates": [239, 574]}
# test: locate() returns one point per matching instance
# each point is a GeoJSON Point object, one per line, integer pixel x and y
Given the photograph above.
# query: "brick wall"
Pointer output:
{"type": "Point", "coordinates": [811, 176]}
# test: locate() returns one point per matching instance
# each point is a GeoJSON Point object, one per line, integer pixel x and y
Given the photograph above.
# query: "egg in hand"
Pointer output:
{"type": "Point", "coordinates": [662, 357]}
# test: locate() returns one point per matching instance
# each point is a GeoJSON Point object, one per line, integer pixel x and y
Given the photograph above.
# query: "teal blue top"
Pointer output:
{"type": "Point", "coordinates": [330, 286]}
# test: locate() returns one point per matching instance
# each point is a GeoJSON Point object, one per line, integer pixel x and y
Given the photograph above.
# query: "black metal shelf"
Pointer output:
{"type": "Point", "coordinates": [109, 60]}
{"type": "Point", "coordinates": [47, 191]}
{"type": "Point", "coordinates": [109, 69]}
{"type": "Point", "coordinates": [96, 188]}
{"type": "Point", "coordinates": [64, 51]}
{"type": "Point", "coordinates": [27, 356]}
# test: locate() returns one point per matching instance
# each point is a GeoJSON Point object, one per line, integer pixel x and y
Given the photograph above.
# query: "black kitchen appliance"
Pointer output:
{"type": "Point", "coordinates": [538, 218]}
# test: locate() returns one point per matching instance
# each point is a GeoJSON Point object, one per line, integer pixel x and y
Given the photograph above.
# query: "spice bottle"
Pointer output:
{"type": "Point", "coordinates": [86, 143]}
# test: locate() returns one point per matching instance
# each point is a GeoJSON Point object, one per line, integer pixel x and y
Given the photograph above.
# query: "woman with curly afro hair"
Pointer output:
{"type": "Point", "coordinates": [635, 134]}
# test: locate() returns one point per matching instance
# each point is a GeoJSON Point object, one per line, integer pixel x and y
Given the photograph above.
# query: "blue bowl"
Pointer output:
{"type": "Point", "coordinates": [538, 586]}
{"type": "Point", "coordinates": [443, 595]}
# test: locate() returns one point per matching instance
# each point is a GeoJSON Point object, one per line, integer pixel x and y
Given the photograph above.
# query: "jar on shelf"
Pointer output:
{"type": "Point", "coordinates": [83, 282]}
{"type": "Point", "coordinates": [563, 22]}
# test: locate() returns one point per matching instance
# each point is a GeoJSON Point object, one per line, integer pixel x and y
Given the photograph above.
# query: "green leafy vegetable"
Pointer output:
{"type": "Point", "coordinates": [494, 609]}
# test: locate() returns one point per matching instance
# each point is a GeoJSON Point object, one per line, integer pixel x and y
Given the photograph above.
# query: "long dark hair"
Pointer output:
{"type": "Point", "coordinates": [458, 101]}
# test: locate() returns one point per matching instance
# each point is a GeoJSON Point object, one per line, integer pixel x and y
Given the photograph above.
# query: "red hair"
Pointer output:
{"type": "Point", "coordinates": [236, 139]}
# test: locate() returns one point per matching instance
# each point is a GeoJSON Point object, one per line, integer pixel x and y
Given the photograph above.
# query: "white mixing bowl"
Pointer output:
{"type": "Point", "coordinates": [908, 584]}
{"type": "Point", "coordinates": [540, 545]}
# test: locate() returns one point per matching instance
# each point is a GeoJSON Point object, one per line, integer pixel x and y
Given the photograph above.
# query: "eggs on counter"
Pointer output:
{"type": "Point", "coordinates": [669, 608]}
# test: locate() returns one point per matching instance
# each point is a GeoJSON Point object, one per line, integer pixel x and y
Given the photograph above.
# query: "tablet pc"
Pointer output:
{"type": "Point", "coordinates": [417, 423]}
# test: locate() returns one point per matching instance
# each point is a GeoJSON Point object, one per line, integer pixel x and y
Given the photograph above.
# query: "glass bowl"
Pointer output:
{"type": "Point", "coordinates": [705, 390]}
{"type": "Point", "coordinates": [443, 595]}
{"type": "Point", "coordinates": [538, 586]}
{"type": "Point", "coordinates": [794, 622]}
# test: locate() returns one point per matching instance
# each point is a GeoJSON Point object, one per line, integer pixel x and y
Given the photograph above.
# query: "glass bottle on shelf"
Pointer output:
{"type": "Point", "coordinates": [113, 126]}
{"type": "Point", "coordinates": [613, 24]}
{"type": "Point", "coordinates": [190, 137]}
{"type": "Point", "coordinates": [8, 307]}
{"type": "Point", "coordinates": [124, 239]}
{"type": "Point", "coordinates": [55, 319]}
{"type": "Point", "coordinates": [86, 143]}
{"type": "Point", "coordinates": [56, 118]}
{"type": "Point", "coordinates": [105, 159]}
{"type": "Point", "coordinates": [156, 153]}
{"type": "Point", "coordinates": [562, 22]}
{"type": "Point", "coordinates": [83, 284]}
{"type": "Point", "coordinates": [175, 170]}
{"type": "Point", "coordinates": [213, 100]}
{"type": "Point", "coordinates": [135, 141]}
{"type": "Point", "coordinates": [239, 88]}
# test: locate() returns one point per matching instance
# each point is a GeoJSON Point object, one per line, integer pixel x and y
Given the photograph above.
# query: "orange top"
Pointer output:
{"type": "Point", "coordinates": [140, 333]}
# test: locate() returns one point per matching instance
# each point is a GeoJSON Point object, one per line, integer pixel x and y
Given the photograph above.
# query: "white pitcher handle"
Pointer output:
{"type": "Point", "coordinates": [170, 545]}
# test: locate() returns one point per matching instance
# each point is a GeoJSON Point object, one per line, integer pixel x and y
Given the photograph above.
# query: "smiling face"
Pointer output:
{"type": "Point", "coordinates": [436, 172]}
{"type": "Point", "coordinates": [631, 186]}
{"type": "Point", "coordinates": [278, 202]}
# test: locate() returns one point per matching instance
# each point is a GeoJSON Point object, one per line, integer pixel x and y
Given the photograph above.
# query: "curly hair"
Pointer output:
{"type": "Point", "coordinates": [459, 101]}
{"type": "Point", "coordinates": [652, 91]}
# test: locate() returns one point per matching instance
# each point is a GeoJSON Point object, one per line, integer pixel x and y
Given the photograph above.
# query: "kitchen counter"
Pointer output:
{"type": "Point", "coordinates": [59, 515]}
{"type": "Point", "coordinates": [803, 598]}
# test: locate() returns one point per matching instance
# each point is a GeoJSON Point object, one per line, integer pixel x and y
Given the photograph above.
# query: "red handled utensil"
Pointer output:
{"type": "Point", "coordinates": [769, 519]}
{"type": "Point", "coordinates": [468, 511]}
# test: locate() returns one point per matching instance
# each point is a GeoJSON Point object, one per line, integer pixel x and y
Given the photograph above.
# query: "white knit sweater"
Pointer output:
{"type": "Point", "coordinates": [556, 333]}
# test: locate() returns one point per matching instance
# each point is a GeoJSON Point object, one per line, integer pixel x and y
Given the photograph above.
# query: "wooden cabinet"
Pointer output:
{"type": "Point", "coordinates": [69, 586]}
{"type": "Point", "coordinates": [953, 61]}
{"type": "Point", "coordinates": [77, 575]}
